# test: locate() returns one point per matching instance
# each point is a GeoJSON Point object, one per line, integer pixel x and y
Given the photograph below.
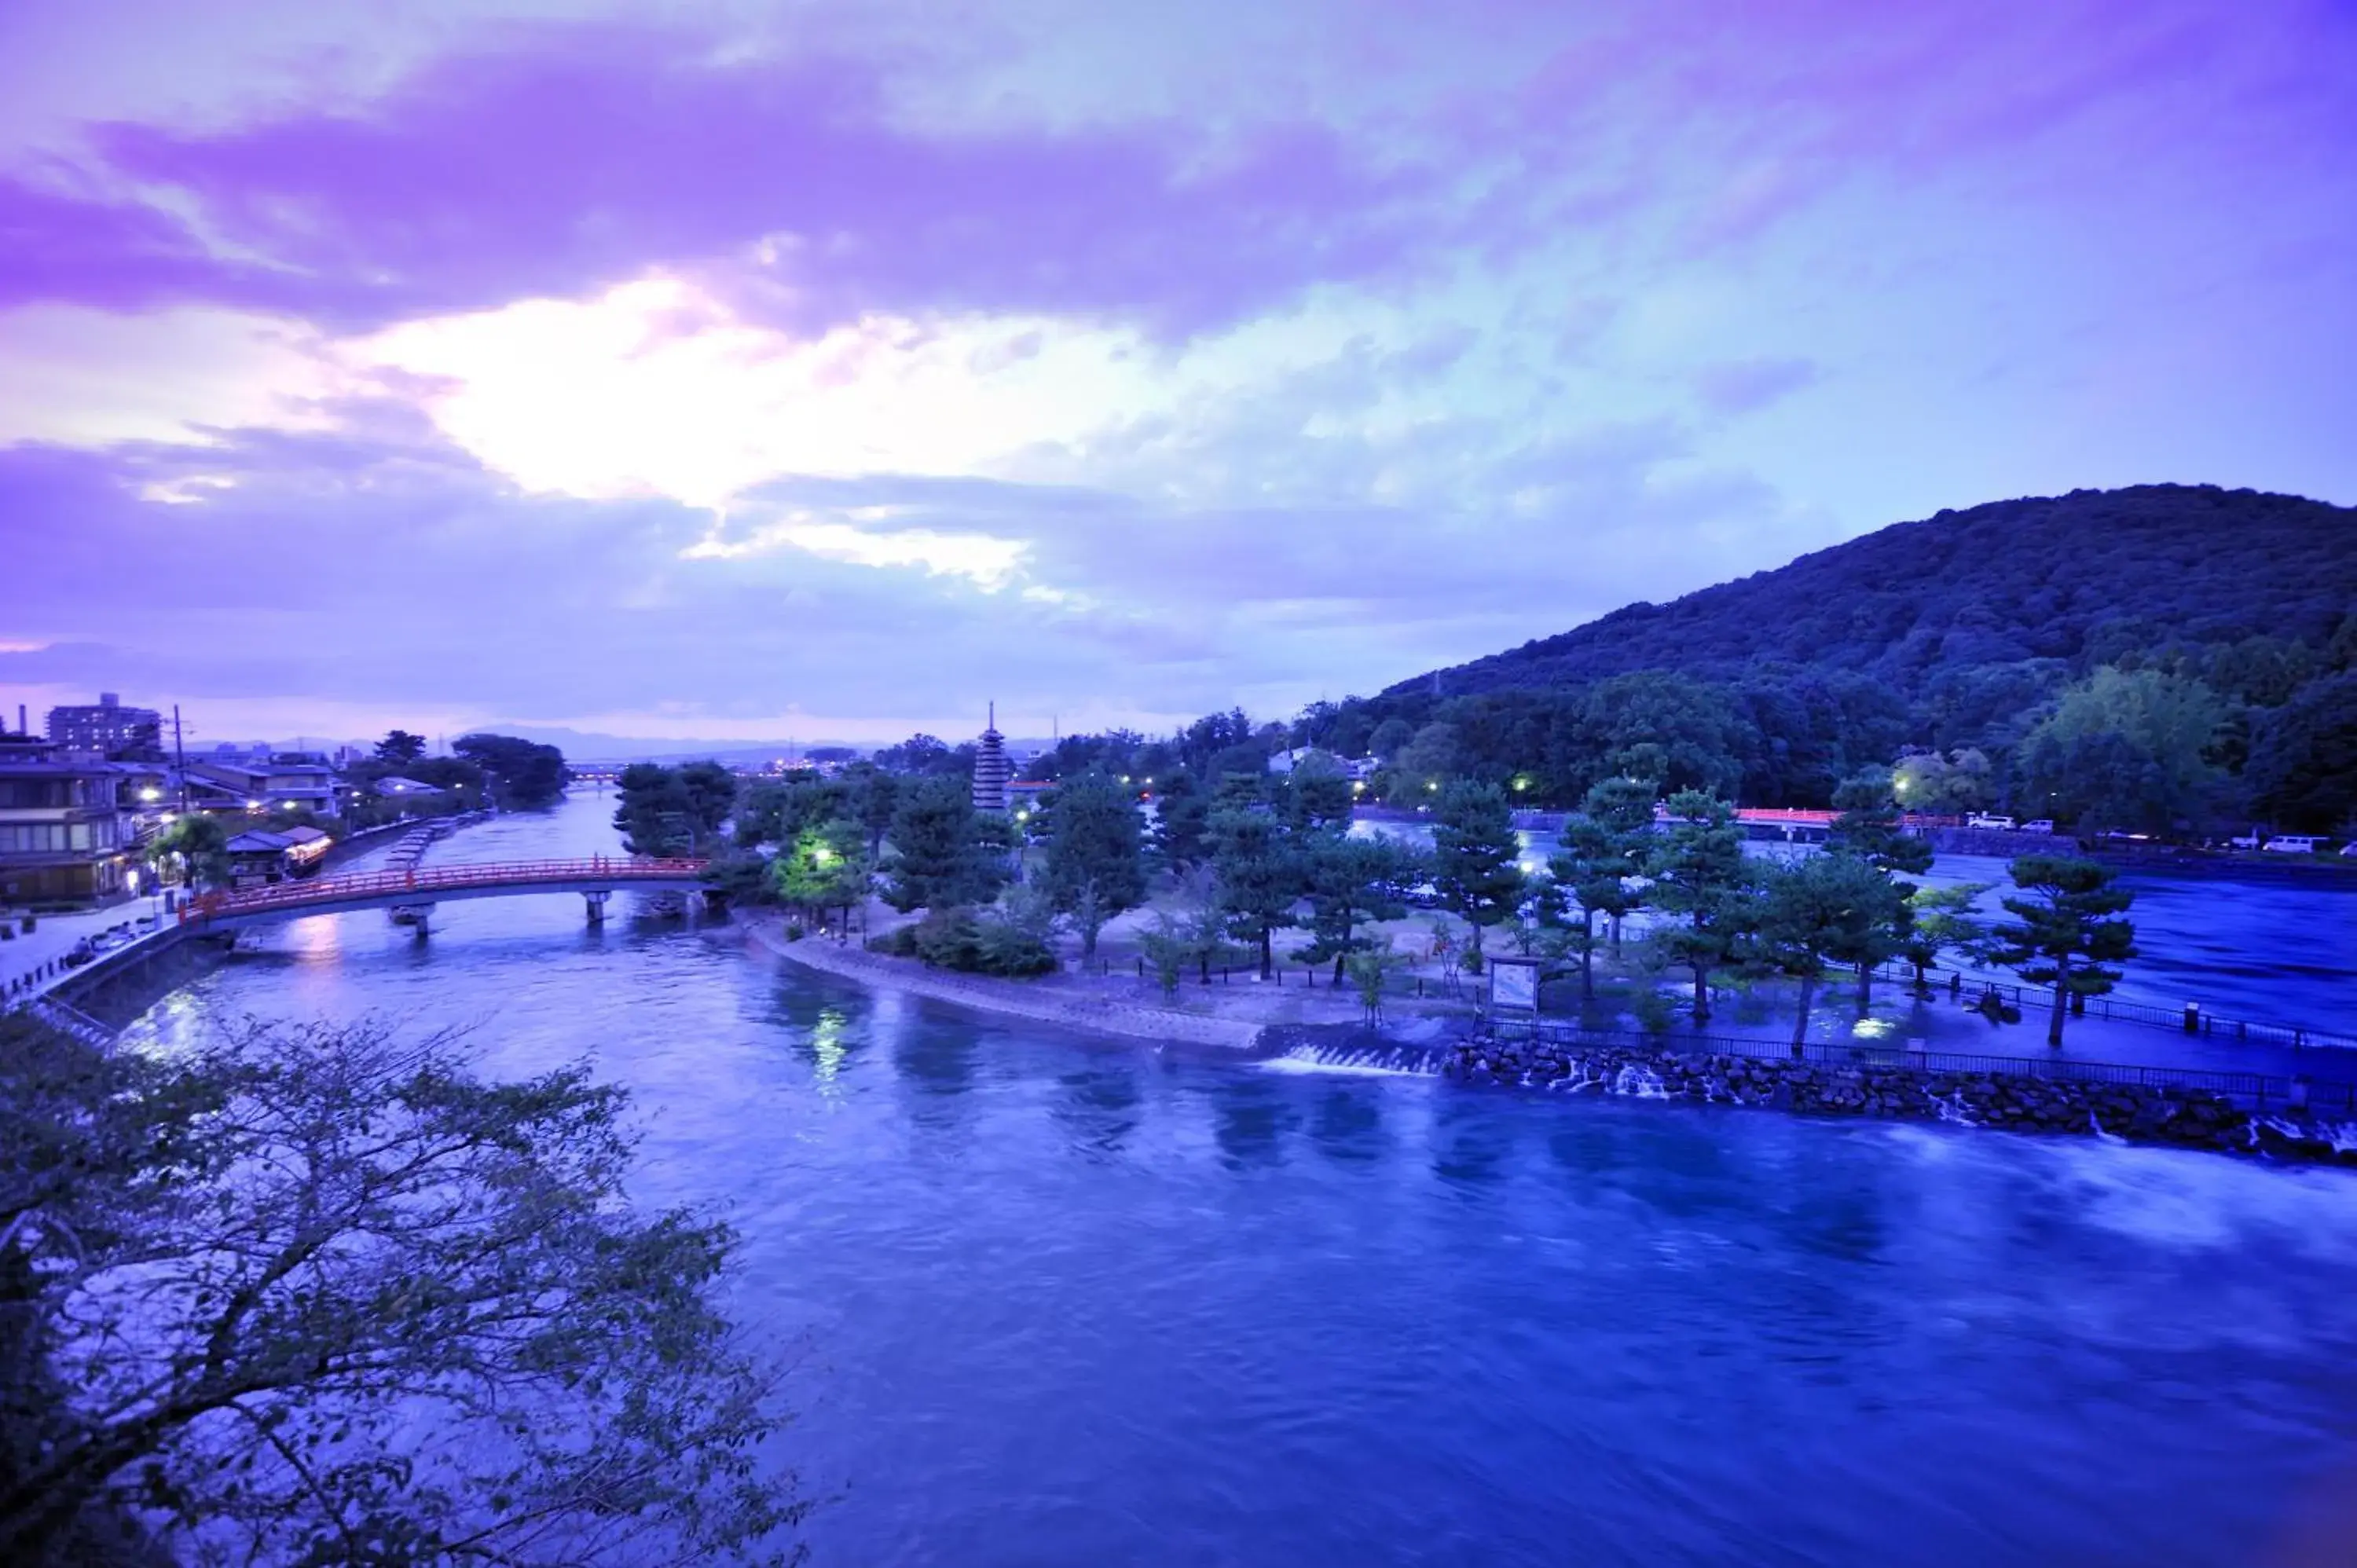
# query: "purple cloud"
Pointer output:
{"type": "Point", "coordinates": [589, 160]}
{"type": "Point", "coordinates": [1744, 386]}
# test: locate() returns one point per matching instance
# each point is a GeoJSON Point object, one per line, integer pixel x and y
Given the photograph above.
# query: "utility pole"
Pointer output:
{"type": "Point", "coordinates": [180, 759]}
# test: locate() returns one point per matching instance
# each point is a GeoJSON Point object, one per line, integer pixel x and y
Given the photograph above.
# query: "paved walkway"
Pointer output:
{"type": "Point", "coordinates": [1073, 1004]}
{"type": "Point", "coordinates": [34, 962]}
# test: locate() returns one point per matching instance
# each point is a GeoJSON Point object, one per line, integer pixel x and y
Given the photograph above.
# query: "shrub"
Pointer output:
{"type": "Point", "coordinates": [987, 944]}
{"type": "Point", "coordinates": [901, 942]}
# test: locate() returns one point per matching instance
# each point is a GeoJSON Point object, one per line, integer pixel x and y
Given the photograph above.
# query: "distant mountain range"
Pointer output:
{"type": "Point", "coordinates": [2069, 578]}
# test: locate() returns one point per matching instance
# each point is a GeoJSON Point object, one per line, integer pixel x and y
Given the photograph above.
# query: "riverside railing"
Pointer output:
{"type": "Point", "coordinates": [426, 881]}
{"type": "Point", "coordinates": [2259, 1091]}
{"type": "Point", "coordinates": [2190, 1019]}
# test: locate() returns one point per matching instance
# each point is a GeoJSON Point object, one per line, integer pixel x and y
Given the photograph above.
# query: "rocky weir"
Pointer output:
{"type": "Point", "coordinates": [2186, 1116]}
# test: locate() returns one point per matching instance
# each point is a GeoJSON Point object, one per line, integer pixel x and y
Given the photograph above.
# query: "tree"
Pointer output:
{"type": "Point", "coordinates": [1424, 762]}
{"type": "Point", "coordinates": [1475, 855]}
{"type": "Point", "coordinates": [1260, 875]}
{"type": "Point", "coordinates": [1940, 919]}
{"type": "Point", "coordinates": [875, 796]}
{"type": "Point", "coordinates": [1602, 850]}
{"type": "Point", "coordinates": [320, 1296]}
{"type": "Point", "coordinates": [1370, 967]}
{"type": "Point", "coordinates": [1095, 862]}
{"type": "Point", "coordinates": [523, 775]}
{"type": "Point", "coordinates": [655, 814]}
{"type": "Point", "coordinates": [400, 746]}
{"type": "Point", "coordinates": [1182, 821]}
{"type": "Point", "coordinates": [1700, 875]}
{"type": "Point", "coordinates": [825, 868]}
{"type": "Point", "coordinates": [1836, 906]}
{"type": "Point", "coordinates": [196, 846]}
{"type": "Point", "coordinates": [1316, 794]}
{"type": "Point", "coordinates": [940, 856]}
{"type": "Point", "coordinates": [1949, 785]}
{"type": "Point", "coordinates": [2125, 750]}
{"type": "Point", "coordinates": [1870, 827]}
{"type": "Point", "coordinates": [1351, 883]}
{"type": "Point", "coordinates": [2302, 772]}
{"type": "Point", "coordinates": [2065, 928]}
{"type": "Point", "coordinates": [710, 790]}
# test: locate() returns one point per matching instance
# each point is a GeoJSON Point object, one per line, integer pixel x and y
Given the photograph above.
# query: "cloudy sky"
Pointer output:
{"type": "Point", "coordinates": [829, 369]}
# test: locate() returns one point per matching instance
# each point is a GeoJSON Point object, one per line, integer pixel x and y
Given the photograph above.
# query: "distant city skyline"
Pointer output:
{"type": "Point", "coordinates": [822, 370]}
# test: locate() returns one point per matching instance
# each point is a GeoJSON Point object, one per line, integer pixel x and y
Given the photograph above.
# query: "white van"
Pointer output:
{"type": "Point", "coordinates": [2292, 844]}
{"type": "Point", "coordinates": [1982, 820]}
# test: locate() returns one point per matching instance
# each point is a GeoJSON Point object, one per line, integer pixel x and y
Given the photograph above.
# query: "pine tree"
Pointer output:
{"type": "Point", "coordinates": [1700, 875]}
{"type": "Point", "coordinates": [1095, 862]}
{"type": "Point", "coordinates": [1474, 853]}
{"type": "Point", "coordinates": [2065, 930]}
{"type": "Point", "coordinates": [1871, 827]}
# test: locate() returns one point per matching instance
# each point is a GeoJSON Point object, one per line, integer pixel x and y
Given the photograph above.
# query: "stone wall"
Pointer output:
{"type": "Point", "coordinates": [2187, 1118]}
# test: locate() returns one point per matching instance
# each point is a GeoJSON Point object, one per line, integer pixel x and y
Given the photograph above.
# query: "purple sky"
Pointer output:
{"type": "Point", "coordinates": [829, 369]}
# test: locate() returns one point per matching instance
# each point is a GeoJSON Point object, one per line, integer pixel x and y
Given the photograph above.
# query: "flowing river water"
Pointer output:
{"type": "Point", "coordinates": [1056, 1300]}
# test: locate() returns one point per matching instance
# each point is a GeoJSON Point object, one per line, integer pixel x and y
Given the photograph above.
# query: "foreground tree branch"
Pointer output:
{"type": "Point", "coordinates": [318, 1294]}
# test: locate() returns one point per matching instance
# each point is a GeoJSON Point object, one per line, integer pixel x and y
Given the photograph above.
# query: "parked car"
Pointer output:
{"type": "Point", "coordinates": [2247, 841]}
{"type": "Point", "coordinates": [2349, 850]}
{"type": "Point", "coordinates": [2292, 844]}
{"type": "Point", "coordinates": [2042, 825]}
{"type": "Point", "coordinates": [1986, 819]}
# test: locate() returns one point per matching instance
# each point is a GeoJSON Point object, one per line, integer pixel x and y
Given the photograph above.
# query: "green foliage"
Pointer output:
{"type": "Point", "coordinates": [944, 854]}
{"type": "Point", "coordinates": [1474, 855]}
{"type": "Point", "coordinates": [522, 775]}
{"type": "Point", "coordinates": [1995, 585]}
{"type": "Point", "coordinates": [1316, 794]}
{"type": "Point", "coordinates": [193, 848]}
{"type": "Point", "coordinates": [2125, 749]}
{"type": "Point", "coordinates": [744, 880]}
{"type": "Point", "coordinates": [1260, 877]}
{"type": "Point", "coordinates": [1940, 919]}
{"type": "Point", "coordinates": [2067, 925]}
{"type": "Point", "coordinates": [1602, 849]}
{"type": "Point", "coordinates": [1352, 882]}
{"type": "Point", "coordinates": [1667, 729]}
{"type": "Point", "coordinates": [1836, 908]}
{"type": "Point", "coordinates": [328, 1299]}
{"type": "Point", "coordinates": [654, 815]}
{"type": "Point", "coordinates": [1951, 783]}
{"type": "Point", "coordinates": [1370, 967]}
{"type": "Point", "coordinates": [1701, 878]}
{"type": "Point", "coordinates": [1094, 866]}
{"type": "Point", "coordinates": [2302, 771]}
{"type": "Point", "coordinates": [826, 867]}
{"type": "Point", "coordinates": [1009, 942]}
{"type": "Point", "coordinates": [1182, 822]}
{"type": "Point", "coordinates": [400, 746]}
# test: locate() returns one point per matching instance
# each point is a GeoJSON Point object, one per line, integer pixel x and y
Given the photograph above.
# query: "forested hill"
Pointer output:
{"type": "Point", "coordinates": [2079, 578]}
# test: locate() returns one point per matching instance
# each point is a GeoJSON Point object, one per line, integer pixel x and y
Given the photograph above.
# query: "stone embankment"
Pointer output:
{"type": "Point", "coordinates": [2186, 1118]}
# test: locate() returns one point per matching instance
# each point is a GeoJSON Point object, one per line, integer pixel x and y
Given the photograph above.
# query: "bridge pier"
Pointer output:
{"type": "Point", "coordinates": [597, 906]}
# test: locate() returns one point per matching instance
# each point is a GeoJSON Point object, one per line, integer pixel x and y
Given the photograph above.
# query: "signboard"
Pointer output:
{"type": "Point", "coordinates": [1515, 984]}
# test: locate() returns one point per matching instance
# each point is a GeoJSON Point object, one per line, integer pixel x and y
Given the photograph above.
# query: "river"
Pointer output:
{"type": "Point", "coordinates": [1058, 1301]}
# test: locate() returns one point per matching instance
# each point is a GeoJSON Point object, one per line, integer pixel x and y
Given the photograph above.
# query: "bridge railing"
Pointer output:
{"type": "Point", "coordinates": [426, 881]}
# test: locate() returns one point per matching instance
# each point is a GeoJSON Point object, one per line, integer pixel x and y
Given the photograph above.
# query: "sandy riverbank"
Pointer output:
{"type": "Point", "coordinates": [1061, 1000]}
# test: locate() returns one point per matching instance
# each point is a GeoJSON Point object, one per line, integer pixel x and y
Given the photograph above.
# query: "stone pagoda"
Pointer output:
{"type": "Point", "coordinates": [991, 768]}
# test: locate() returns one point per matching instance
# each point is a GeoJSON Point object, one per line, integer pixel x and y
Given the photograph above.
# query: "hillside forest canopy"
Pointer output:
{"type": "Point", "coordinates": [2167, 660]}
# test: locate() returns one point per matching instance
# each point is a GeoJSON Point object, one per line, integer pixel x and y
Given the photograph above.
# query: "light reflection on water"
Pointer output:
{"type": "Point", "coordinates": [1069, 1302]}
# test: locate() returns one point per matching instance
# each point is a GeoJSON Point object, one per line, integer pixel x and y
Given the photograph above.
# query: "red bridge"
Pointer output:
{"type": "Point", "coordinates": [423, 886]}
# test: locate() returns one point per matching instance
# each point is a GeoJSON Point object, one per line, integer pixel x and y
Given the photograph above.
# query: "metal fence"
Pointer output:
{"type": "Point", "coordinates": [2190, 1019]}
{"type": "Point", "coordinates": [2253, 1089]}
